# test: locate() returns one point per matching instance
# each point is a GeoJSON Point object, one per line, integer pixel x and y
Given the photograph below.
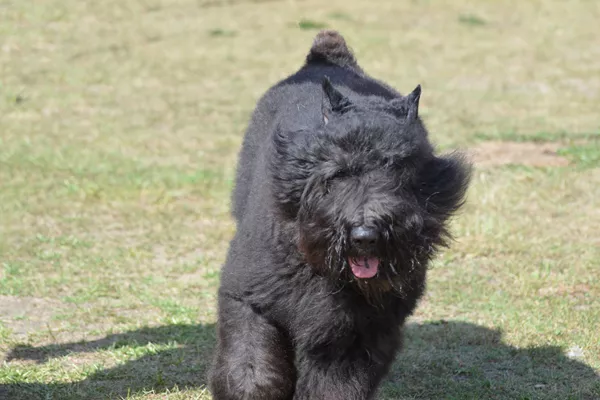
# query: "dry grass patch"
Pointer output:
{"type": "Point", "coordinates": [532, 154]}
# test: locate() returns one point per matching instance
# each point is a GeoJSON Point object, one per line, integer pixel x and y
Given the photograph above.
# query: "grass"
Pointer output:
{"type": "Point", "coordinates": [307, 24]}
{"type": "Point", "coordinates": [119, 127]}
{"type": "Point", "coordinates": [469, 19]}
{"type": "Point", "coordinates": [586, 155]}
{"type": "Point", "coordinates": [540, 137]}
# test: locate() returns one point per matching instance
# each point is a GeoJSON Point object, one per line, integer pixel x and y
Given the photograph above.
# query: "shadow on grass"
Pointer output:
{"type": "Point", "coordinates": [443, 360]}
{"type": "Point", "coordinates": [183, 364]}
{"type": "Point", "coordinates": [459, 360]}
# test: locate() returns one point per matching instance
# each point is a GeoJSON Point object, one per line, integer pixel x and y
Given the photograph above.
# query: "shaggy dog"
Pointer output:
{"type": "Point", "coordinates": [340, 204]}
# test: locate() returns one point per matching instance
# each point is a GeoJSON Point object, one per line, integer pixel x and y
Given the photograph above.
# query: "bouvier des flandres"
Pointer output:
{"type": "Point", "coordinates": [340, 204]}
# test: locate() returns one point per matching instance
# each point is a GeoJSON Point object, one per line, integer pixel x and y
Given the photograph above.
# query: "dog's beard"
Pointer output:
{"type": "Point", "coordinates": [387, 271]}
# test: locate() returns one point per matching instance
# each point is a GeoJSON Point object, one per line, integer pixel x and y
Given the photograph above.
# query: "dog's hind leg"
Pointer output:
{"type": "Point", "coordinates": [253, 359]}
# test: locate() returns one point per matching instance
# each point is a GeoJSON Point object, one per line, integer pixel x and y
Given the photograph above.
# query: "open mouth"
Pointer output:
{"type": "Point", "coordinates": [364, 267]}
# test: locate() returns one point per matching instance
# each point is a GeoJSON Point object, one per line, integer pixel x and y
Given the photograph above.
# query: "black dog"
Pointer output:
{"type": "Point", "coordinates": [340, 204]}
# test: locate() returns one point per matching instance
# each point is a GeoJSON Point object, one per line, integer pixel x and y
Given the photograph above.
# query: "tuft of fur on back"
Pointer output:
{"type": "Point", "coordinates": [330, 47]}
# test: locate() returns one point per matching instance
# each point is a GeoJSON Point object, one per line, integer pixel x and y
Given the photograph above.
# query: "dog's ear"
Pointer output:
{"type": "Point", "coordinates": [408, 106]}
{"type": "Point", "coordinates": [291, 166]}
{"type": "Point", "coordinates": [333, 101]}
{"type": "Point", "coordinates": [443, 184]}
{"type": "Point", "coordinates": [413, 104]}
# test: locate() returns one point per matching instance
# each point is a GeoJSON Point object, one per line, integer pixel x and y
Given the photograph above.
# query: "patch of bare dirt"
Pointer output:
{"type": "Point", "coordinates": [24, 315]}
{"type": "Point", "coordinates": [579, 290]}
{"type": "Point", "coordinates": [527, 153]}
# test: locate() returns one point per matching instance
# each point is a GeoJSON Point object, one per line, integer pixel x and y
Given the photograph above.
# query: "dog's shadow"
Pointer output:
{"type": "Point", "coordinates": [172, 356]}
{"type": "Point", "coordinates": [440, 360]}
{"type": "Point", "coordinates": [460, 360]}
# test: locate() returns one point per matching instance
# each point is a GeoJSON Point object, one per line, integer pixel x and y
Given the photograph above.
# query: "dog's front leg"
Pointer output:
{"type": "Point", "coordinates": [330, 376]}
{"type": "Point", "coordinates": [253, 359]}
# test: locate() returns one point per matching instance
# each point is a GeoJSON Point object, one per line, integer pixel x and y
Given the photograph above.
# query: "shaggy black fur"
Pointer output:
{"type": "Point", "coordinates": [336, 181]}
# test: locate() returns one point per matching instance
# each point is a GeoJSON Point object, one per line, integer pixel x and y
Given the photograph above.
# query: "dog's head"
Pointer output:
{"type": "Point", "coordinates": [369, 199]}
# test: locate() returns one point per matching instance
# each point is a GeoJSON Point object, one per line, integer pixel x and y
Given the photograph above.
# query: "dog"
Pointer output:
{"type": "Point", "coordinates": [340, 204]}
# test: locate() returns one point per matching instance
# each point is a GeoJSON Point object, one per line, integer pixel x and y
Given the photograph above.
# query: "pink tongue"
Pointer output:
{"type": "Point", "coordinates": [363, 267]}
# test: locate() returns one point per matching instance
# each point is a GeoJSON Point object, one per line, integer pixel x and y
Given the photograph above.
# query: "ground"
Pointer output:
{"type": "Point", "coordinates": [120, 122]}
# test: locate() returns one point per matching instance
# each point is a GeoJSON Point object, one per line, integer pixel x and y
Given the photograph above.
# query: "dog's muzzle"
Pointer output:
{"type": "Point", "coordinates": [364, 241]}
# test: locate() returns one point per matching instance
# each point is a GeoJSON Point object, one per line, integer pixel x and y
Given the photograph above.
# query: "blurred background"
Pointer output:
{"type": "Point", "coordinates": [120, 122]}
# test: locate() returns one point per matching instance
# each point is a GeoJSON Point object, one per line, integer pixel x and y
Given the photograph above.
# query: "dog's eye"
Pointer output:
{"type": "Point", "coordinates": [391, 161]}
{"type": "Point", "coordinates": [341, 174]}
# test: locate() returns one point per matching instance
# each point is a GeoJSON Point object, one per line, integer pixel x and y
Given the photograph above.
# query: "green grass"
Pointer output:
{"type": "Point", "coordinates": [221, 32]}
{"type": "Point", "coordinates": [586, 155]}
{"type": "Point", "coordinates": [119, 127]}
{"type": "Point", "coordinates": [470, 19]}
{"type": "Point", "coordinates": [307, 24]}
{"type": "Point", "coordinates": [539, 137]}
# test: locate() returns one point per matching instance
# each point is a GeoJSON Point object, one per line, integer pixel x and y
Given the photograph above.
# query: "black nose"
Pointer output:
{"type": "Point", "coordinates": [364, 236]}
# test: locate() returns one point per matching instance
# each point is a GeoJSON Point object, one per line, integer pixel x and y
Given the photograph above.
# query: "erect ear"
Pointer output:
{"type": "Point", "coordinates": [413, 103]}
{"type": "Point", "coordinates": [333, 101]}
{"type": "Point", "coordinates": [408, 106]}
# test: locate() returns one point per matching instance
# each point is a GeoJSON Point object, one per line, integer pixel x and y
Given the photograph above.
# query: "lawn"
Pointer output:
{"type": "Point", "coordinates": [120, 122]}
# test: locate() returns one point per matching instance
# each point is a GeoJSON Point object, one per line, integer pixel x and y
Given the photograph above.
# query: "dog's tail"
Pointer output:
{"type": "Point", "coordinates": [330, 47]}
